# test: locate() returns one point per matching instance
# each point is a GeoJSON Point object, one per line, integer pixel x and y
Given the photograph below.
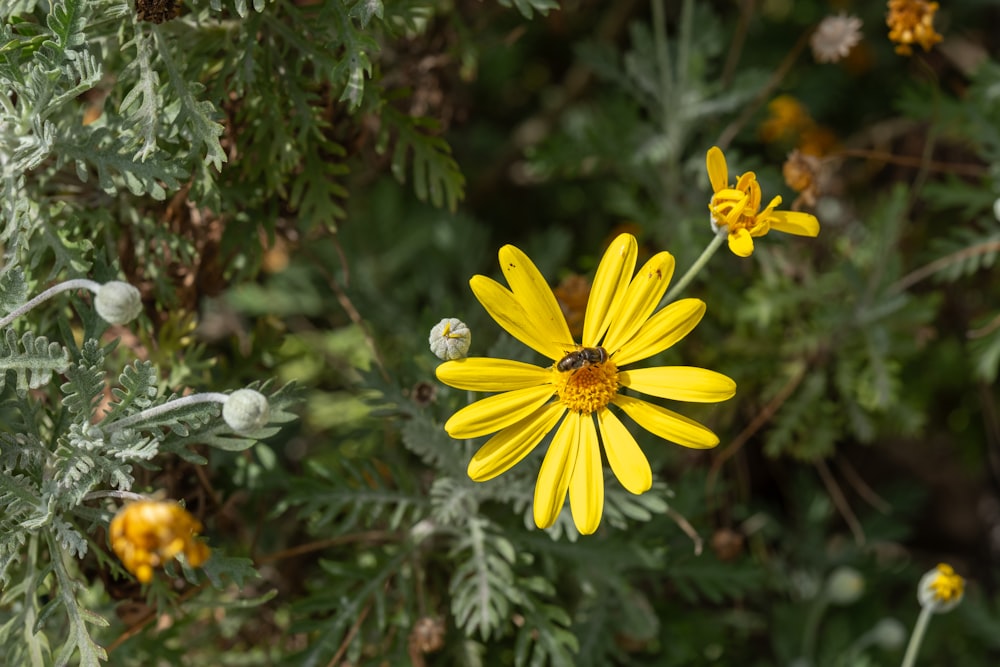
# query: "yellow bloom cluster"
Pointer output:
{"type": "Point", "coordinates": [912, 21]}
{"type": "Point", "coordinates": [147, 533]}
{"type": "Point", "coordinates": [737, 208]}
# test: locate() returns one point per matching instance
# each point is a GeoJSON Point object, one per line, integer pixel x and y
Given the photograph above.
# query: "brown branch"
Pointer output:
{"type": "Point", "coordinates": [928, 270]}
{"type": "Point", "coordinates": [840, 501]}
{"type": "Point", "coordinates": [350, 635]}
{"type": "Point", "coordinates": [911, 161]}
{"type": "Point", "coordinates": [862, 488]}
{"type": "Point", "coordinates": [367, 536]}
{"type": "Point", "coordinates": [758, 422]}
{"type": "Point", "coordinates": [145, 619]}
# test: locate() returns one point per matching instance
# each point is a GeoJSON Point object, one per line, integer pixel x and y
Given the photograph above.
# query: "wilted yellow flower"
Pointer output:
{"type": "Point", "coordinates": [737, 208]}
{"type": "Point", "coordinates": [147, 533]}
{"type": "Point", "coordinates": [941, 589]}
{"type": "Point", "coordinates": [582, 382]}
{"type": "Point", "coordinates": [912, 21]}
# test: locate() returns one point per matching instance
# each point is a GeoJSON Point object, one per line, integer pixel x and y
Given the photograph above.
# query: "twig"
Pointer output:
{"type": "Point", "coordinates": [350, 635]}
{"type": "Point", "coordinates": [911, 161]}
{"type": "Point", "coordinates": [928, 270]}
{"type": "Point", "coordinates": [144, 620]}
{"type": "Point", "coordinates": [840, 501]}
{"type": "Point", "coordinates": [861, 486]}
{"type": "Point", "coordinates": [758, 422]}
{"type": "Point", "coordinates": [370, 535]}
{"type": "Point", "coordinates": [688, 529]}
{"type": "Point", "coordinates": [772, 84]}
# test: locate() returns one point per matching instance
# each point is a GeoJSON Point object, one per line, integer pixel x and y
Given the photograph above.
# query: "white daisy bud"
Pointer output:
{"type": "Point", "coordinates": [845, 585]}
{"type": "Point", "coordinates": [941, 589]}
{"type": "Point", "coordinates": [118, 302]}
{"type": "Point", "coordinates": [889, 634]}
{"type": "Point", "coordinates": [246, 410]}
{"type": "Point", "coordinates": [450, 339]}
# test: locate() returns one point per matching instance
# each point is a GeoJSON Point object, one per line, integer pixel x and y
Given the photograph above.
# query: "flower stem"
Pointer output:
{"type": "Point", "coordinates": [76, 283]}
{"type": "Point", "coordinates": [815, 615]}
{"type": "Point", "coordinates": [698, 265]}
{"type": "Point", "coordinates": [913, 648]}
{"type": "Point", "coordinates": [169, 406]}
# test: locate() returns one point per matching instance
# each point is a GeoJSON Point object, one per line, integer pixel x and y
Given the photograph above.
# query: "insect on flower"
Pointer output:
{"type": "Point", "coordinates": [580, 357]}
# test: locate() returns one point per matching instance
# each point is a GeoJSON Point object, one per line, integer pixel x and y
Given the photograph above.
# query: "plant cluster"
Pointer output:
{"type": "Point", "coordinates": [280, 199]}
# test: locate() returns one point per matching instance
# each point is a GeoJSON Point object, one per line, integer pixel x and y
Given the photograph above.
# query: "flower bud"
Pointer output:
{"type": "Point", "coordinates": [845, 585]}
{"type": "Point", "coordinates": [450, 339]}
{"type": "Point", "coordinates": [941, 589]}
{"type": "Point", "coordinates": [246, 410]}
{"type": "Point", "coordinates": [889, 634]}
{"type": "Point", "coordinates": [118, 302]}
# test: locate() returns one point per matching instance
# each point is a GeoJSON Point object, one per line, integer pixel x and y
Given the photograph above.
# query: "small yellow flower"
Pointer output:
{"type": "Point", "coordinates": [941, 588]}
{"type": "Point", "coordinates": [912, 21]}
{"type": "Point", "coordinates": [582, 382]}
{"type": "Point", "coordinates": [737, 208]}
{"type": "Point", "coordinates": [147, 533]}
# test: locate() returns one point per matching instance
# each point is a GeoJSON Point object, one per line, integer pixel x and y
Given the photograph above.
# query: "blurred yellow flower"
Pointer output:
{"type": "Point", "coordinates": [737, 208]}
{"type": "Point", "coordinates": [578, 388]}
{"type": "Point", "coordinates": [147, 533]}
{"type": "Point", "coordinates": [912, 21]}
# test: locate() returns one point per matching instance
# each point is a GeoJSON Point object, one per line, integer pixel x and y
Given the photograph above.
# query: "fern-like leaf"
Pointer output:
{"type": "Point", "coordinates": [84, 388]}
{"type": "Point", "coordinates": [482, 586]}
{"type": "Point", "coordinates": [34, 366]}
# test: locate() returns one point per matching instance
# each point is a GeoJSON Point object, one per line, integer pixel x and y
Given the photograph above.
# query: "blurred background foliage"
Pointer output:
{"type": "Point", "coordinates": [303, 188]}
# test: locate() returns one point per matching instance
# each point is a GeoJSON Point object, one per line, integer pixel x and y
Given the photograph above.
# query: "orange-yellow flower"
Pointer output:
{"type": "Point", "coordinates": [912, 21]}
{"type": "Point", "coordinates": [147, 533]}
{"type": "Point", "coordinates": [737, 208]}
{"type": "Point", "coordinates": [573, 394]}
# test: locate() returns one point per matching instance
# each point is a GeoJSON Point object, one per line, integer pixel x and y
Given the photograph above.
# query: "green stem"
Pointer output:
{"type": "Point", "coordinates": [698, 265]}
{"type": "Point", "coordinates": [812, 625]}
{"type": "Point", "coordinates": [913, 648]}
{"type": "Point", "coordinates": [77, 283]}
{"type": "Point", "coordinates": [160, 410]}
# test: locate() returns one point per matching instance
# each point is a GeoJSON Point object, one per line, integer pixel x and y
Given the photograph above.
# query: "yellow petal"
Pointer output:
{"type": "Point", "coordinates": [640, 299]}
{"type": "Point", "coordinates": [627, 461]}
{"type": "Point", "coordinates": [556, 471]}
{"type": "Point", "coordinates": [661, 331]}
{"type": "Point", "coordinates": [486, 374]}
{"type": "Point", "coordinates": [610, 282]}
{"type": "Point", "coordinates": [504, 450]}
{"type": "Point", "coordinates": [740, 242]}
{"type": "Point", "coordinates": [680, 383]}
{"type": "Point", "coordinates": [667, 423]}
{"type": "Point", "coordinates": [794, 222]}
{"type": "Point", "coordinates": [497, 412]}
{"type": "Point", "coordinates": [718, 173]}
{"type": "Point", "coordinates": [534, 294]}
{"type": "Point", "coordinates": [504, 307]}
{"type": "Point", "coordinates": [586, 487]}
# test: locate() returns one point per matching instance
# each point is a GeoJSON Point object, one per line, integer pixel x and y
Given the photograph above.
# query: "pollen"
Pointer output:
{"type": "Point", "coordinates": [588, 389]}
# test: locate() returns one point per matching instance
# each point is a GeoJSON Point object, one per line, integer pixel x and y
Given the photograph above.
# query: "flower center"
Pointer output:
{"type": "Point", "coordinates": [947, 586]}
{"type": "Point", "coordinates": [587, 389]}
{"type": "Point", "coordinates": [734, 209]}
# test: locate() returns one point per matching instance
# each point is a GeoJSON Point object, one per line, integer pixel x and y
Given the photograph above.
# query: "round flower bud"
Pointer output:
{"type": "Point", "coordinates": [450, 339]}
{"type": "Point", "coordinates": [845, 585]}
{"type": "Point", "coordinates": [118, 302]}
{"type": "Point", "coordinates": [996, 208]}
{"type": "Point", "coordinates": [246, 410]}
{"type": "Point", "coordinates": [941, 589]}
{"type": "Point", "coordinates": [889, 634]}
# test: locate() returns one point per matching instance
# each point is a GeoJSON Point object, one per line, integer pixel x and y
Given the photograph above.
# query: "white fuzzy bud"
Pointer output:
{"type": "Point", "coordinates": [845, 585]}
{"type": "Point", "coordinates": [246, 410]}
{"type": "Point", "coordinates": [450, 339]}
{"type": "Point", "coordinates": [889, 634]}
{"type": "Point", "coordinates": [118, 302]}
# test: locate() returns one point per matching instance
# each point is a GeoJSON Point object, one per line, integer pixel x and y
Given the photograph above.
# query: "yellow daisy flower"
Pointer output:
{"type": "Point", "coordinates": [147, 533]}
{"type": "Point", "coordinates": [572, 395]}
{"type": "Point", "coordinates": [737, 208]}
{"type": "Point", "coordinates": [941, 588]}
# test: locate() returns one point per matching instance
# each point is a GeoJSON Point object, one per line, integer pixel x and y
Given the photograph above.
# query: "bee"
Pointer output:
{"type": "Point", "coordinates": [584, 356]}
